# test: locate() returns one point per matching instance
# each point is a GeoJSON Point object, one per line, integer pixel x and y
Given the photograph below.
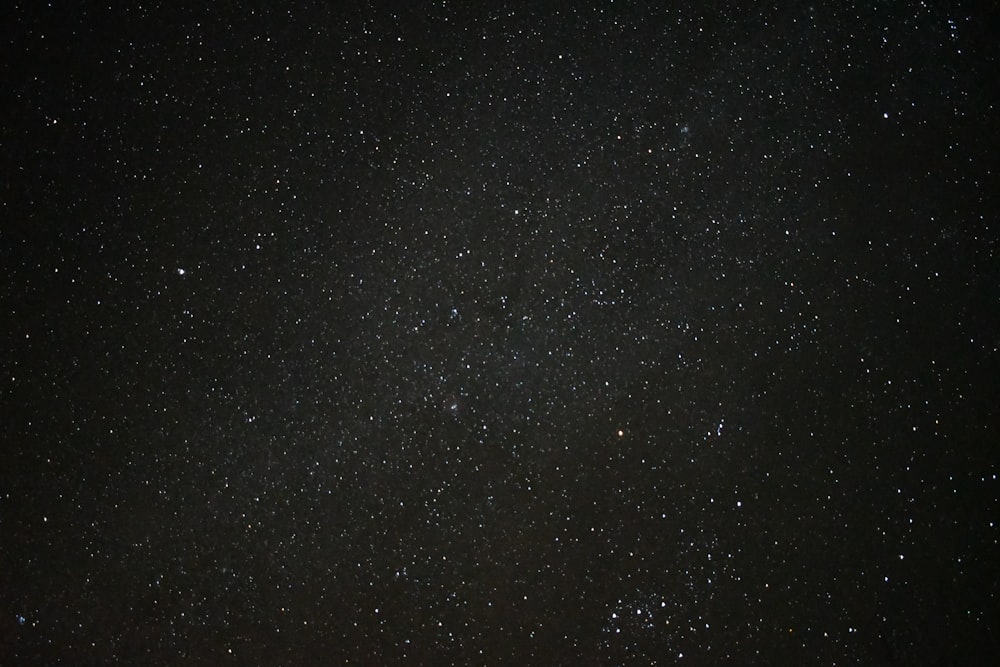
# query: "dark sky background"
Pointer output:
{"type": "Point", "coordinates": [588, 335]}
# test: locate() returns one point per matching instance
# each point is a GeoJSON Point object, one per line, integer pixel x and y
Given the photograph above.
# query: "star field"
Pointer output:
{"type": "Point", "coordinates": [339, 333]}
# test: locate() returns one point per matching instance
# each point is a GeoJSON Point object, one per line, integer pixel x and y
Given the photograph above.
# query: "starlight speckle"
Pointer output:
{"type": "Point", "coordinates": [586, 333]}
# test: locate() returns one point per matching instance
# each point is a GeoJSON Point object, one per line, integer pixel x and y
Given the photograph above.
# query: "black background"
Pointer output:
{"type": "Point", "coordinates": [445, 334]}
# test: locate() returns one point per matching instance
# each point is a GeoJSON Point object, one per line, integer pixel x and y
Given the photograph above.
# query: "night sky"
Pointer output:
{"type": "Point", "coordinates": [605, 335]}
